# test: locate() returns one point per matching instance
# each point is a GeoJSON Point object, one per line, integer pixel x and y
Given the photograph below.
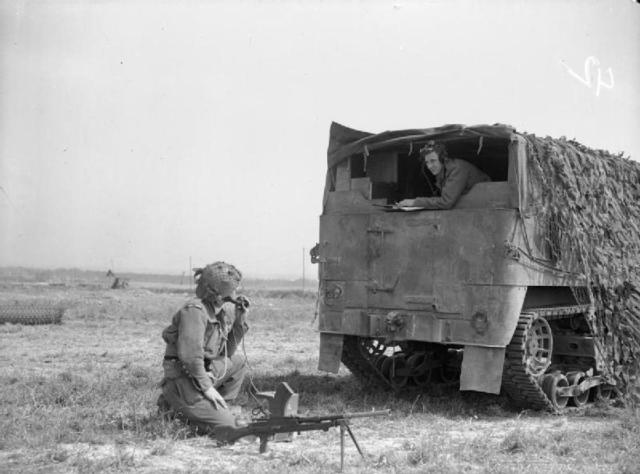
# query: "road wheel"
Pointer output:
{"type": "Point", "coordinates": [395, 370]}
{"type": "Point", "coordinates": [421, 377]}
{"type": "Point", "coordinates": [575, 378]}
{"type": "Point", "coordinates": [602, 393]}
{"type": "Point", "coordinates": [550, 385]}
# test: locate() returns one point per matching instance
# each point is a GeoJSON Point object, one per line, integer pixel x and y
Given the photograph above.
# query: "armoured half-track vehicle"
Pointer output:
{"type": "Point", "coordinates": [465, 295]}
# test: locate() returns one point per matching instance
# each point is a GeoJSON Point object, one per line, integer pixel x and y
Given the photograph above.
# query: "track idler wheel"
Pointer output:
{"type": "Point", "coordinates": [576, 378]}
{"type": "Point", "coordinates": [550, 384]}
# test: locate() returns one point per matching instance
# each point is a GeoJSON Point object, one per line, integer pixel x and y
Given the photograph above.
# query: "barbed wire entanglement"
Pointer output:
{"type": "Point", "coordinates": [589, 207]}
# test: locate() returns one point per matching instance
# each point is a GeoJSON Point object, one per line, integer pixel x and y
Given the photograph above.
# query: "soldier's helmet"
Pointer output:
{"type": "Point", "coordinates": [217, 280]}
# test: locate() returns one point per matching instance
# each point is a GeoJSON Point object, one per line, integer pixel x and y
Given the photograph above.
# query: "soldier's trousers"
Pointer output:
{"type": "Point", "coordinates": [189, 404]}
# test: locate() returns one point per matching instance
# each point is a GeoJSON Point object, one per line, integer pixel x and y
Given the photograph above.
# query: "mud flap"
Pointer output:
{"type": "Point", "coordinates": [330, 352]}
{"type": "Point", "coordinates": [482, 369]}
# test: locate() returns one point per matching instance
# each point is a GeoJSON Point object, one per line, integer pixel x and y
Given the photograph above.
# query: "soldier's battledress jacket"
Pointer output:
{"type": "Point", "coordinates": [202, 342]}
{"type": "Point", "coordinates": [456, 179]}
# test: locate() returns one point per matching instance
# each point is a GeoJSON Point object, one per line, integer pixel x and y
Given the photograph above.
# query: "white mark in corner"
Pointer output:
{"type": "Point", "coordinates": [592, 64]}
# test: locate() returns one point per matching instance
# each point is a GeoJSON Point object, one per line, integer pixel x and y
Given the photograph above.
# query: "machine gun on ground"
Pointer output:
{"type": "Point", "coordinates": [283, 418]}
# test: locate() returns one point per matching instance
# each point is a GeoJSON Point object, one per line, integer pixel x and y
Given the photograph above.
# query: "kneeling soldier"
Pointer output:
{"type": "Point", "coordinates": [202, 371]}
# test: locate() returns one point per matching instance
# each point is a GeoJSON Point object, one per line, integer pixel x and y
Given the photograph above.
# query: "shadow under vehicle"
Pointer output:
{"type": "Point", "coordinates": [445, 296]}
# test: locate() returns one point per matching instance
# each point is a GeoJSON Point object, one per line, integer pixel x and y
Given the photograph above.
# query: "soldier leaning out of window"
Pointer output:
{"type": "Point", "coordinates": [454, 178]}
{"type": "Point", "coordinates": [202, 370]}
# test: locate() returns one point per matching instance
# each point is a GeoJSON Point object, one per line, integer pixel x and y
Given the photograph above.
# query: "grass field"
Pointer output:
{"type": "Point", "coordinates": [80, 397]}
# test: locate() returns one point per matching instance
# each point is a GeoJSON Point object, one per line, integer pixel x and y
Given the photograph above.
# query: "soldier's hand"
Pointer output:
{"type": "Point", "coordinates": [214, 396]}
{"type": "Point", "coordinates": [242, 305]}
{"type": "Point", "coordinates": [406, 203]}
{"type": "Point", "coordinates": [243, 302]}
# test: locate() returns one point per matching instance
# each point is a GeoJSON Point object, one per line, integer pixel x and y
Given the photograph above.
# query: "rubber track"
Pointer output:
{"type": "Point", "coordinates": [522, 387]}
{"type": "Point", "coordinates": [358, 364]}
{"type": "Point", "coordinates": [365, 370]}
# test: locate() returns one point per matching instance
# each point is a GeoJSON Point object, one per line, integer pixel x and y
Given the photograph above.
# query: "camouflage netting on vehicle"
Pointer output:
{"type": "Point", "coordinates": [591, 213]}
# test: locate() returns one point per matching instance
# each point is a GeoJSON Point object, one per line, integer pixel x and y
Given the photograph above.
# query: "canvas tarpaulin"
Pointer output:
{"type": "Point", "coordinates": [345, 141]}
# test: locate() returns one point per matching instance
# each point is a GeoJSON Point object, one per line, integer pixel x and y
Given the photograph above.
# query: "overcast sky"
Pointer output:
{"type": "Point", "coordinates": [137, 134]}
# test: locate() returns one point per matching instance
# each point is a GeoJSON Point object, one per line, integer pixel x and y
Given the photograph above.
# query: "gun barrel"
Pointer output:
{"type": "Point", "coordinates": [365, 414]}
{"type": "Point", "coordinates": [345, 416]}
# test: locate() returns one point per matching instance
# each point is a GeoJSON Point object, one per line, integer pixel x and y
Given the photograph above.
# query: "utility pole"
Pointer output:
{"type": "Point", "coordinates": [303, 259]}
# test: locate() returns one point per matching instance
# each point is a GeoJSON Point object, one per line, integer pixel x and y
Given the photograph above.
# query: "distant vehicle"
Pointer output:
{"type": "Point", "coordinates": [441, 296]}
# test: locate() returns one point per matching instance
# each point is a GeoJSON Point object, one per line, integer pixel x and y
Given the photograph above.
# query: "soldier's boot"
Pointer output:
{"type": "Point", "coordinates": [164, 409]}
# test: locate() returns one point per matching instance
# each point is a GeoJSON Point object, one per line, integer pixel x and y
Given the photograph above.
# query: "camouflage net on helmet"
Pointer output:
{"type": "Point", "coordinates": [590, 207]}
{"type": "Point", "coordinates": [217, 279]}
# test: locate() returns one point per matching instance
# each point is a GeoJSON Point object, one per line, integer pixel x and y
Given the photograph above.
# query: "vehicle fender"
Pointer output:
{"type": "Point", "coordinates": [330, 352]}
{"type": "Point", "coordinates": [482, 369]}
